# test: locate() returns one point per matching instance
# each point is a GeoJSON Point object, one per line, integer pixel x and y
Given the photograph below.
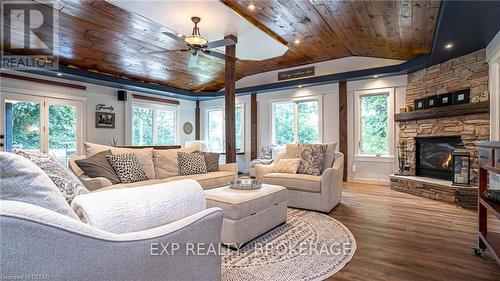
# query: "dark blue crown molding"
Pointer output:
{"type": "Point", "coordinates": [469, 25]}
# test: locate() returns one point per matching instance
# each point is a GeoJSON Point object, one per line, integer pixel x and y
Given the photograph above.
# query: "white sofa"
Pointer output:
{"type": "Point", "coordinates": [226, 173]}
{"type": "Point", "coordinates": [319, 193]}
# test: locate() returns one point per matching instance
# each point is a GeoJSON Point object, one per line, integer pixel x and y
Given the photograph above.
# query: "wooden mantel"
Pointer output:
{"type": "Point", "coordinates": [438, 112]}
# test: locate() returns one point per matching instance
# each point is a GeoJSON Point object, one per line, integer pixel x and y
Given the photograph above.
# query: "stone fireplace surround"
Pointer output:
{"type": "Point", "coordinates": [469, 71]}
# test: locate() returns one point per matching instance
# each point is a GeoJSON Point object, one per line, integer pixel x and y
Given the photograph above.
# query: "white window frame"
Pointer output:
{"type": "Point", "coordinates": [155, 107]}
{"type": "Point", "coordinates": [296, 118]}
{"type": "Point", "coordinates": [221, 108]}
{"type": "Point", "coordinates": [359, 156]}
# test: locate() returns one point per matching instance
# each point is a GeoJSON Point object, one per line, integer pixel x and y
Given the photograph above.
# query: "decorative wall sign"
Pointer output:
{"type": "Point", "coordinates": [296, 73]}
{"type": "Point", "coordinates": [187, 128]}
{"type": "Point", "coordinates": [105, 120]}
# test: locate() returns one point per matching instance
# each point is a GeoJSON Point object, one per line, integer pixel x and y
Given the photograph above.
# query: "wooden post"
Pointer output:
{"type": "Point", "coordinates": [343, 123]}
{"type": "Point", "coordinates": [197, 123]}
{"type": "Point", "coordinates": [230, 91]}
{"type": "Point", "coordinates": [253, 126]}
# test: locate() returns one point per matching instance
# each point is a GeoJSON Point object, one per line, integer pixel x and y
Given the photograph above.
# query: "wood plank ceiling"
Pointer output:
{"type": "Point", "coordinates": [100, 37]}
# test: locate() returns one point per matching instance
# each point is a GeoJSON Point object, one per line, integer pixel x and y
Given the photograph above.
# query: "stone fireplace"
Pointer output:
{"type": "Point", "coordinates": [429, 140]}
{"type": "Point", "coordinates": [434, 156]}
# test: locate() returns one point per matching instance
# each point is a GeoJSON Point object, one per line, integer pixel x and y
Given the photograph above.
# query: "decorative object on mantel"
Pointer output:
{"type": "Point", "coordinates": [403, 109]}
{"type": "Point", "coordinates": [187, 128]}
{"type": "Point", "coordinates": [445, 99]}
{"type": "Point", "coordinates": [493, 195]}
{"type": "Point", "coordinates": [296, 73]}
{"type": "Point", "coordinates": [409, 108]}
{"type": "Point", "coordinates": [431, 102]}
{"type": "Point", "coordinates": [105, 120]}
{"type": "Point", "coordinates": [461, 97]}
{"type": "Point", "coordinates": [420, 104]}
{"type": "Point", "coordinates": [479, 98]}
{"type": "Point", "coordinates": [461, 166]}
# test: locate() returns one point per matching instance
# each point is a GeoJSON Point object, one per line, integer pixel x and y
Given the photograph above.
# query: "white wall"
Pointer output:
{"type": "Point", "coordinates": [372, 170]}
{"type": "Point", "coordinates": [330, 129]}
{"type": "Point", "coordinates": [96, 94]}
{"type": "Point", "coordinates": [493, 59]}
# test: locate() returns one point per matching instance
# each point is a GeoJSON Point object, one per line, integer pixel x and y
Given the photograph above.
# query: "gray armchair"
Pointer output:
{"type": "Point", "coordinates": [38, 241]}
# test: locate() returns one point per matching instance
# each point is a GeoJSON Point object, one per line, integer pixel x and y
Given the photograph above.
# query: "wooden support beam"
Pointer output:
{"type": "Point", "coordinates": [343, 123]}
{"type": "Point", "coordinates": [197, 123]}
{"type": "Point", "coordinates": [230, 103]}
{"type": "Point", "coordinates": [253, 126]}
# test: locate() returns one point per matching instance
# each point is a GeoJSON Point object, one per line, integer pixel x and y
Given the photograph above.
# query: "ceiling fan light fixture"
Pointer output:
{"type": "Point", "coordinates": [196, 40]}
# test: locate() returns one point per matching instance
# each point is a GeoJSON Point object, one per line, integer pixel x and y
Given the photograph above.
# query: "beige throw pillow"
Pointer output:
{"type": "Point", "coordinates": [166, 163]}
{"type": "Point", "coordinates": [94, 148]}
{"type": "Point", "coordinates": [288, 166]}
{"type": "Point", "coordinates": [330, 155]}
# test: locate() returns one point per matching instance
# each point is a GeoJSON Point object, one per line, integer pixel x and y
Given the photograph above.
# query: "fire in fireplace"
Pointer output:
{"type": "Point", "coordinates": [434, 156]}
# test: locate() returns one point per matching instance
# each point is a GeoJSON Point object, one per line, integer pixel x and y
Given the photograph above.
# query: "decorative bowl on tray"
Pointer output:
{"type": "Point", "coordinates": [245, 184]}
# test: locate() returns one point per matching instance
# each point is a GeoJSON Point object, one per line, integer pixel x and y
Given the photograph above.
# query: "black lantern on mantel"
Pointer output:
{"type": "Point", "coordinates": [461, 166]}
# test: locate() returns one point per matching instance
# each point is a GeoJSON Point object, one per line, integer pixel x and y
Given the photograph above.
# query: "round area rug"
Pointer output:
{"type": "Point", "coordinates": [309, 246]}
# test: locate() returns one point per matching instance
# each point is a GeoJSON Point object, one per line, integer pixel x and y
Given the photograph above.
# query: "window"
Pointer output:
{"type": "Point", "coordinates": [49, 125]}
{"type": "Point", "coordinates": [296, 122]}
{"type": "Point", "coordinates": [216, 135]}
{"type": "Point", "coordinates": [154, 125]}
{"type": "Point", "coordinates": [374, 123]}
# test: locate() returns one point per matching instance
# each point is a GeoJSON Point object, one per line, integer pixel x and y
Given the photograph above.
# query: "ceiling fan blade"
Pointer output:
{"type": "Point", "coordinates": [220, 43]}
{"type": "Point", "coordinates": [174, 36]}
{"type": "Point", "coordinates": [219, 55]}
{"type": "Point", "coordinates": [193, 60]}
{"type": "Point", "coordinates": [168, 51]}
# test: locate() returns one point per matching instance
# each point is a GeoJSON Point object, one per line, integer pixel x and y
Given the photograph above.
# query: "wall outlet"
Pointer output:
{"type": "Point", "coordinates": [354, 168]}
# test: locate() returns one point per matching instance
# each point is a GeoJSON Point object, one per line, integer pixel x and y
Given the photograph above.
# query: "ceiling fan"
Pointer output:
{"type": "Point", "coordinates": [197, 44]}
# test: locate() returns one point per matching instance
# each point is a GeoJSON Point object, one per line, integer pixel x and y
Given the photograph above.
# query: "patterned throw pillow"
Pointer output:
{"type": "Point", "coordinates": [211, 160]}
{"type": "Point", "coordinates": [128, 167]}
{"type": "Point", "coordinates": [191, 163]}
{"type": "Point", "coordinates": [288, 166]}
{"type": "Point", "coordinates": [67, 183]}
{"type": "Point", "coordinates": [311, 158]}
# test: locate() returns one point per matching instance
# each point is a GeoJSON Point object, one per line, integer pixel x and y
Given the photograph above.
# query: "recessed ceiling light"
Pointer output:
{"type": "Point", "coordinates": [375, 76]}
{"type": "Point", "coordinates": [179, 34]}
{"type": "Point", "coordinates": [300, 86]}
{"type": "Point", "coordinates": [297, 41]}
{"type": "Point", "coordinates": [59, 74]}
{"type": "Point", "coordinates": [251, 7]}
{"type": "Point", "coordinates": [448, 46]}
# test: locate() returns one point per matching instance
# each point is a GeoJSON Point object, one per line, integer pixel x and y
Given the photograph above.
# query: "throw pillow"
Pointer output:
{"type": "Point", "coordinates": [211, 160]}
{"type": "Point", "coordinates": [311, 158]}
{"type": "Point", "coordinates": [288, 166]}
{"type": "Point", "coordinates": [128, 167]}
{"type": "Point", "coordinates": [97, 166]}
{"type": "Point", "coordinates": [67, 183]}
{"type": "Point", "coordinates": [166, 162]}
{"type": "Point", "coordinates": [94, 148]}
{"type": "Point", "coordinates": [191, 163]}
{"type": "Point", "coordinates": [22, 180]}
{"type": "Point", "coordinates": [330, 155]}
{"type": "Point", "coordinates": [145, 156]}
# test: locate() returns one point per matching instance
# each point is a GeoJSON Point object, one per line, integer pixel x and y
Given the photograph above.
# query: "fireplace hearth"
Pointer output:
{"type": "Point", "coordinates": [434, 156]}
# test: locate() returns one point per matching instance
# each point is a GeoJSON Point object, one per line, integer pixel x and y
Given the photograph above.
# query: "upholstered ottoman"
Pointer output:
{"type": "Point", "coordinates": [248, 213]}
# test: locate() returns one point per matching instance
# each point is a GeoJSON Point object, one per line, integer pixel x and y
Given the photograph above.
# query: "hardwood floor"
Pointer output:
{"type": "Point", "coordinates": [404, 237]}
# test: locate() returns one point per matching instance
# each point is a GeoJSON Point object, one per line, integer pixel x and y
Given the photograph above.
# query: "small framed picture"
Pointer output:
{"type": "Point", "coordinates": [420, 104]}
{"type": "Point", "coordinates": [105, 120]}
{"type": "Point", "coordinates": [431, 102]}
{"type": "Point", "coordinates": [445, 99]}
{"type": "Point", "coordinates": [461, 97]}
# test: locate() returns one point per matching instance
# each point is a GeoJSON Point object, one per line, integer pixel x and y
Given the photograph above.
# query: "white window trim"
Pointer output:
{"type": "Point", "coordinates": [319, 99]}
{"type": "Point", "coordinates": [358, 156]}
{"type": "Point", "coordinates": [155, 107]}
{"type": "Point", "coordinates": [222, 108]}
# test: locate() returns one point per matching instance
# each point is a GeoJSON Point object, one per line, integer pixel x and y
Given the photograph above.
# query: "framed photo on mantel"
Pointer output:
{"type": "Point", "coordinates": [461, 97]}
{"type": "Point", "coordinates": [420, 104]}
{"type": "Point", "coordinates": [445, 99]}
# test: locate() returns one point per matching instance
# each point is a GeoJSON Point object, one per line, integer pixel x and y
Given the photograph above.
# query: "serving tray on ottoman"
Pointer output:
{"type": "Point", "coordinates": [248, 213]}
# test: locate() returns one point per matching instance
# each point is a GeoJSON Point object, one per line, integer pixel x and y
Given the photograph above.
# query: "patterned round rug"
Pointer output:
{"type": "Point", "coordinates": [309, 246]}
